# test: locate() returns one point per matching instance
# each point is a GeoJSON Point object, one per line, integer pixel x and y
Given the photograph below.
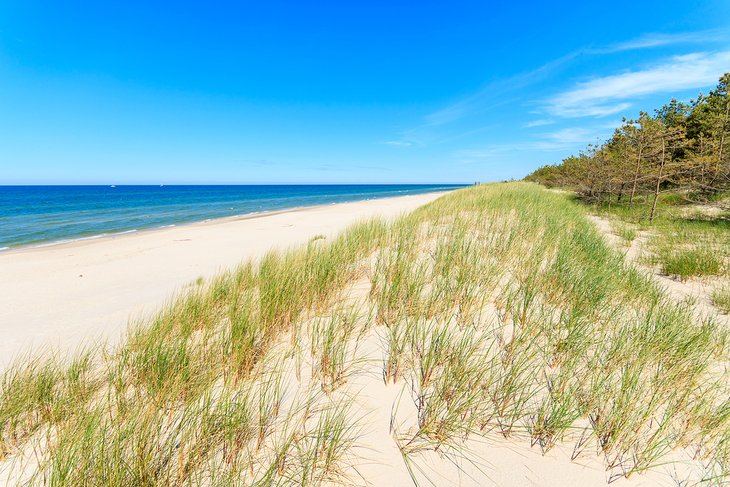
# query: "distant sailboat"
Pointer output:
{"type": "Point", "coordinates": [112, 186]}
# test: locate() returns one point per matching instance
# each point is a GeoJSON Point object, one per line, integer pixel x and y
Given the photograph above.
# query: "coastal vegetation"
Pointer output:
{"type": "Point", "coordinates": [683, 149]}
{"type": "Point", "coordinates": [666, 178]}
{"type": "Point", "coordinates": [684, 241]}
{"type": "Point", "coordinates": [497, 312]}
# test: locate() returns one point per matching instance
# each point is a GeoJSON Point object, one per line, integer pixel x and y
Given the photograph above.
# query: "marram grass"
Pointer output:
{"type": "Point", "coordinates": [500, 306]}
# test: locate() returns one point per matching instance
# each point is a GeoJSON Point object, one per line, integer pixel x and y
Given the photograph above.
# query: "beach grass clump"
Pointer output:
{"type": "Point", "coordinates": [399, 274]}
{"type": "Point", "coordinates": [333, 346]}
{"type": "Point", "coordinates": [41, 391]}
{"type": "Point", "coordinates": [689, 263]}
{"type": "Point", "coordinates": [627, 232]}
{"type": "Point", "coordinates": [721, 299]}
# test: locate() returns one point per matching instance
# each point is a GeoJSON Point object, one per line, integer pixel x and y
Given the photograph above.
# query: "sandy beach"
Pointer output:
{"type": "Point", "coordinates": [76, 293]}
{"type": "Point", "coordinates": [365, 244]}
{"type": "Point", "coordinates": [375, 389]}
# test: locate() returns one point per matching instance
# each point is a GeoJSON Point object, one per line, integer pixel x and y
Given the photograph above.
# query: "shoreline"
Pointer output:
{"type": "Point", "coordinates": [242, 216]}
{"type": "Point", "coordinates": [143, 231]}
{"type": "Point", "coordinates": [75, 293]}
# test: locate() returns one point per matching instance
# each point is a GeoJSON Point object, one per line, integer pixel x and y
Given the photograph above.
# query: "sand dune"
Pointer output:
{"type": "Point", "coordinates": [409, 354]}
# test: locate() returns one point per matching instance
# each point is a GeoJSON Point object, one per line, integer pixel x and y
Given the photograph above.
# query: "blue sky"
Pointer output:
{"type": "Point", "coordinates": [326, 92]}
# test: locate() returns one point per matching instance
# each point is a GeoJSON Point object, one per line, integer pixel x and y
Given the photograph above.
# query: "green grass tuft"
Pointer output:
{"type": "Point", "coordinates": [721, 299]}
{"type": "Point", "coordinates": [690, 263]}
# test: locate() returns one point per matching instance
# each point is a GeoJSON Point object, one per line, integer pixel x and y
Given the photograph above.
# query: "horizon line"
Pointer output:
{"type": "Point", "coordinates": [237, 184]}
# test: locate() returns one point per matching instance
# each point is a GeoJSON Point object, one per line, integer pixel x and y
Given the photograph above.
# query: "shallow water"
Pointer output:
{"type": "Point", "coordinates": [40, 215]}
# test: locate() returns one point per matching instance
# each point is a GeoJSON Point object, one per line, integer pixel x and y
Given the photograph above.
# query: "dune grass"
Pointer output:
{"type": "Point", "coordinates": [721, 299]}
{"type": "Point", "coordinates": [579, 334]}
{"type": "Point", "coordinates": [688, 263]}
{"type": "Point", "coordinates": [626, 231]}
{"type": "Point", "coordinates": [685, 241]}
{"type": "Point", "coordinates": [500, 306]}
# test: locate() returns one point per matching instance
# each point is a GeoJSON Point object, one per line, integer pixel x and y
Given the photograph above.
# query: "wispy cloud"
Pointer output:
{"type": "Point", "coordinates": [399, 143]}
{"type": "Point", "coordinates": [540, 122]}
{"type": "Point", "coordinates": [652, 40]}
{"type": "Point", "coordinates": [494, 93]}
{"type": "Point", "coordinates": [609, 94]}
{"type": "Point", "coordinates": [566, 138]}
{"type": "Point", "coordinates": [601, 97]}
{"type": "Point", "coordinates": [586, 109]}
{"type": "Point", "coordinates": [493, 153]}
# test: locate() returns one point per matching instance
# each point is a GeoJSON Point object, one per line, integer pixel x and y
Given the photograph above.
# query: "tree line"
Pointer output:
{"type": "Point", "coordinates": [683, 147]}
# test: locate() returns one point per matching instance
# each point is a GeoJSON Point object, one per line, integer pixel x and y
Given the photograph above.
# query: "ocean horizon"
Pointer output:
{"type": "Point", "coordinates": [46, 215]}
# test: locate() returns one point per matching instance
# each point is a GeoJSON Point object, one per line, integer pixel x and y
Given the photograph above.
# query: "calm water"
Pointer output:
{"type": "Point", "coordinates": [33, 215]}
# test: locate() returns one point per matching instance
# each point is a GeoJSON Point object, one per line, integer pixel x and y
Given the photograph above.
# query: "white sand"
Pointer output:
{"type": "Point", "coordinates": [75, 293]}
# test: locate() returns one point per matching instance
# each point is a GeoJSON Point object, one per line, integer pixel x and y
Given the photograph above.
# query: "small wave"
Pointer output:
{"type": "Point", "coordinates": [181, 212]}
{"type": "Point", "coordinates": [81, 239]}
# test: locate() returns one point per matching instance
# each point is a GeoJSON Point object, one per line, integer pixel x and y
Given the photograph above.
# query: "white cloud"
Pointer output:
{"type": "Point", "coordinates": [651, 40]}
{"type": "Point", "coordinates": [601, 96]}
{"type": "Point", "coordinates": [567, 138]}
{"type": "Point", "coordinates": [488, 154]}
{"type": "Point", "coordinates": [539, 123]}
{"type": "Point", "coordinates": [494, 94]}
{"type": "Point", "coordinates": [589, 109]}
{"type": "Point", "coordinates": [398, 143]}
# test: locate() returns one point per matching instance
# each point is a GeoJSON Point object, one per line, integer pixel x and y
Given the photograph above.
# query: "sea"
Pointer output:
{"type": "Point", "coordinates": [47, 215]}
